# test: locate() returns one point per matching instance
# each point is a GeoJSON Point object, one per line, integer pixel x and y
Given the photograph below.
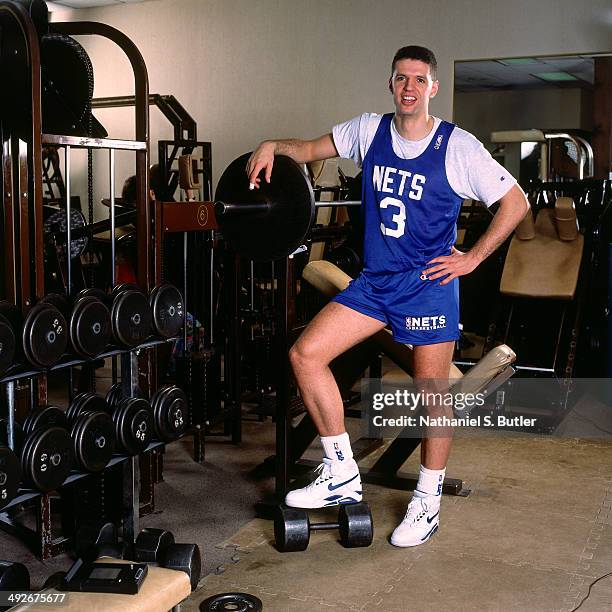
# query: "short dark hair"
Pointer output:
{"type": "Point", "coordinates": [415, 52]}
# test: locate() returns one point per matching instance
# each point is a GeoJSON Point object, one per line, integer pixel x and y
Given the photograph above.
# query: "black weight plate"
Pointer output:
{"type": "Point", "coordinates": [114, 395]}
{"type": "Point", "coordinates": [151, 545]}
{"type": "Point", "coordinates": [93, 292]}
{"type": "Point", "coordinates": [167, 308]}
{"type": "Point", "coordinates": [123, 287]}
{"type": "Point", "coordinates": [10, 475]}
{"type": "Point", "coordinates": [291, 529]}
{"type": "Point", "coordinates": [90, 327]}
{"type": "Point", "coordinates": [131, 318]}
{"type": "Point", "coordinates": [86, 402]}
{"type": "Point", "coordinates": [8, 345]}
{"type": "Point", "coordinates": [355, 525]}
{"type": "Point", "coordinates": [185, 558]}
{"type": "Point", "coordinates": [93, 434]}
{"type": "Point", "coordinates": [73, 411]}
{"type": "Point", "coordinates": [170, 412]}
{"type": "Point", "coordinates": [44, 335]}
{"type": "Point", "coordinates": [277, 232]}
{"type": "Point", "coordinates": [59, 301]}
{"type": "Point", "coordinates": [133, 425]}
{"type": "Point", "coordinates": [47, 458]}
{"type": "Point", "coordinates": [236, 602]}
{"type": "Point", "coordinates": [42, 418]}
{"type": "Point", "coordinates": [56, 223]}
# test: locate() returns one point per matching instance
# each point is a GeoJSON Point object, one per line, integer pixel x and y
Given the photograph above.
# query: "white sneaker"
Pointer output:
{"type": "Point", "coordinates": [331, 487]}
{"type": "Point", "coordinates": [420, 523]}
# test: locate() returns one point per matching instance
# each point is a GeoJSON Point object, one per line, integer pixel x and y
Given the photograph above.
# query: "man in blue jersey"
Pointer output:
{"type": "Point", "coordinates": [417, 170]}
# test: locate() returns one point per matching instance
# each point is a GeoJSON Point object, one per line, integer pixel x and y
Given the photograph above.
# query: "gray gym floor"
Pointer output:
{"type": "Point", "coordinates": [533, 534]}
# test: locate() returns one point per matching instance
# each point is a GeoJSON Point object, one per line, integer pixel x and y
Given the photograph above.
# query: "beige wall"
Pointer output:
{"type": "Point", "coordinates": [249, 70]}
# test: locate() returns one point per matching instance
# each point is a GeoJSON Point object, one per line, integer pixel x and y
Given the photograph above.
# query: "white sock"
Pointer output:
{"type": "Point", "coordinates": [337, 448]}
{"type": "Point", "coordinates": [430, 482]}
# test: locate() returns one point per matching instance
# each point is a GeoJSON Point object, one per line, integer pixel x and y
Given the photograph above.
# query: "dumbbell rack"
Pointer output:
{"type": "Point", "coordinates": [190, 217]}
{"type": "Point", "coordinates": [22, 173]}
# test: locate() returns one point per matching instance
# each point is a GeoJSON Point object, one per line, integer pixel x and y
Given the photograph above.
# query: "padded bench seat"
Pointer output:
{"type": "Point", "coordinates": [162, 590]}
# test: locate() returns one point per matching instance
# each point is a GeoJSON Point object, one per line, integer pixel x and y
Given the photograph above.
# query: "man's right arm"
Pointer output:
{"type": "Point", "coordinates": [301, 151]}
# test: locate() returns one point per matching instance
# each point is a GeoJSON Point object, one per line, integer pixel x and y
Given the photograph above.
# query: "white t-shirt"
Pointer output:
{"type": "Point", "coordinates": [470, 169]}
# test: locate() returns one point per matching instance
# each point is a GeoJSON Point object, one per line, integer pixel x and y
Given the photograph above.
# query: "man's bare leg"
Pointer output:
{"type": "Point", "coordinates": [432, 363]}
{"type": "Point", "coordinates": [332, 332]}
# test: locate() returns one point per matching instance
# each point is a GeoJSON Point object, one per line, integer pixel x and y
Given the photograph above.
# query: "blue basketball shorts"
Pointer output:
{"type": "Point", "coordinates": [419, 311]}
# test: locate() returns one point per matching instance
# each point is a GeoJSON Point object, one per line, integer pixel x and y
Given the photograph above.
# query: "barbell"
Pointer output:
{"type": "Point", "coordinates": [270, 222]}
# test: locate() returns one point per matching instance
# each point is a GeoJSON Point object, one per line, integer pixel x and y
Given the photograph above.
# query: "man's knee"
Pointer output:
{"type": "Point", "coordinates": [304, 356]}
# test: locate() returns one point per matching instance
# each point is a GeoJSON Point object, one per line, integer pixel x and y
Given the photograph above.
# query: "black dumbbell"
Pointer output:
{"type": "Point", "coordinates": [185, 558]}
{"type": "Point", "coordinates": [132, 419]}
{"type": "Point", "coordinates": [89, 326]}
{"type": "Point", "coordinates": [130, 315]}
{"type": "Point", "coordinates": [169, 406]}
{"type": "Point", "coordinates": [46, 456]}
{"type": "Point", "coordinates": [10, 467]}
{"type": "Point", "coordinates": [167, 310]}
{"type": "Point", "coordinates": [95, 539]}
{"type": "Point", "coordinates": [292, 527]}
{"type": "Point", "coordinates": [151, 545]}
{"type": "Point", "coordinates": [158, 546]}
{"type": "Point", "coordinates": [92, 431]}
{"type": "Point", "coordinates": [45, 334]}
{"type": "Point", "coordinates": [13, 577]}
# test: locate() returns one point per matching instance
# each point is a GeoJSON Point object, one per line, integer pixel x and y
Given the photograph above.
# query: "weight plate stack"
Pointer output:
{"type": "Point", "coordinates": [43, 418]}
{"type": "Point", "coordinates": [86, 402]}
{"type": "Point", "coordinates": [92, 432]}
{"type": "Point", "coordinates": [115, 394]}
{"type": "Point", "coordinates": [130, 317]}
{"type": "Point", "coordinates": [133, 427]}
{"type": "Point", "coordinates": [45, 335]}
{"type": "Point", "coordinates": [166, 304]}
{"type": "Point", "coordinates": [93, 292]}
{"type": "Point", "coordinates": [169, 407]}
{"type": "Point", "coordinates": [46, 458]}
{"type": "Point", "coordinates": [59, 301]}
{"type": "Point", "coordinates": [90, 326]}
{"type": "Point", "coordinates": [123, 287]}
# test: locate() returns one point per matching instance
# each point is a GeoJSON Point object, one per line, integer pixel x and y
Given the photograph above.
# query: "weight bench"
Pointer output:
{"type": "Point", "coordinates": [162, 590]}
{"type": "Point", "coordinates": [544, 257]}
{"type": "Point", "coordinates": [488, 374]}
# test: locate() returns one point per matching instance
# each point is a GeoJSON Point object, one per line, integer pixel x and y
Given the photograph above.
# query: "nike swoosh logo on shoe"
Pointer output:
{"type": "Point", "coordinates": [431, 518]}
{"type": "Point", "coordinates": [332, 487]}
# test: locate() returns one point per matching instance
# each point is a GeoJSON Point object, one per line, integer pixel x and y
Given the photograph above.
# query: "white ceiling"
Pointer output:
{"type": "Point", "coordinates": [492, 74]}
{"type": "Point", "coordinates": [58, 4]}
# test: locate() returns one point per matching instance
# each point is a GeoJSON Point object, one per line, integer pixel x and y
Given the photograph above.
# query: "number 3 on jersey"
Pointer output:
{"type": "Point", "coordinates": [398, 218]}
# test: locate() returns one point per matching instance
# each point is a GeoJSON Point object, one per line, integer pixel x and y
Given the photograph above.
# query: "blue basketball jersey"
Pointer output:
{"type": "Point", "coordinates": [410, 211]}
